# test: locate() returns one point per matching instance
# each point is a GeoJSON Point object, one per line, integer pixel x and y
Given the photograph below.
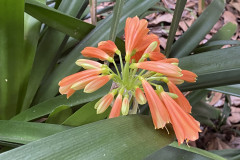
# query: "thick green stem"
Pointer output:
{"type": "Point", "coordinates": [126, 73]}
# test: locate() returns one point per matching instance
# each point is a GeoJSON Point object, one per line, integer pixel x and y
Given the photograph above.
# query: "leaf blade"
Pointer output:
{"type": "Point", "coordinates": [131, 130]}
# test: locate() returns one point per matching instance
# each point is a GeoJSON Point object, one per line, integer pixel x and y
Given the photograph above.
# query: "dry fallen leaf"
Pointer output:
{"type": "Point", "coordinates": [216, 97]}
{"type": "Point", "coordinates": [163, 42]}
{"type": "Point", "coordinates": [217, 144]}
{"type": "Point", "coordinates": [235, 101]}
{"type": "Point", "coordinates": [229, 17]}
{"type": "Point", "coordinates": [185, 24]}
{"type": "Point", "coordinates": [162, 18]}
{"type": "Point", "coordinates": [236, 5]}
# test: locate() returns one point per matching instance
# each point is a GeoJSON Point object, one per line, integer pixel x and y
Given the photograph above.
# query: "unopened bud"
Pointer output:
{"type": "Point", "coordinates": [125, 105]}
{"type": "Point", "coordinates": [140, 97]}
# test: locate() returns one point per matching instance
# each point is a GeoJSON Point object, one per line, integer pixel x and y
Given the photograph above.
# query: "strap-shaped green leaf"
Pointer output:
{"type": "Point", "coordinates": [48, 106]}
{"type": "Point", "coordinates": [11, 51]}
{"type": "Point", "coordinates": [57, 19]}
{"type": "Point", "coordinates": [126, 137]}
{"type": "Point", "coordinates": [86, 114]}
{"type": "Point", "coordinates": [183, 152]}
{"type": "Point", "coordinates": [116, 17]}
{"type": "Point", "coordinates": [174, 25]}
{"type": "Point", "coordinates": [214, 68]}
{"type": "Point", "coordinates": [191, 38]}
{"type": "Point", "coordinates": [25, 132]}
{"type": "Point", "coordinates": [52, 40]}
{"type": "Point", "coordinates": [230, 89]}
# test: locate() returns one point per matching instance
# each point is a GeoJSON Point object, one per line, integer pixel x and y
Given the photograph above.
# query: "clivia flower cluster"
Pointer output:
{"type": "Point", "coordinates": [138, 80]}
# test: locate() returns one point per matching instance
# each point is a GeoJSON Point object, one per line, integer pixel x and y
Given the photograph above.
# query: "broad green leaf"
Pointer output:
{"type": "Point", "coordinates": [197, 150]}
{"type": "Point", "coordinates": [48, 106]}
{"type": "Point", "coordinates": [126, 137]}
{"type": "Point", "coordinates": [116, 17]}
{"type": "Point", "coordinates": [51, 42]}
{"type": "Point", "coordinates": [196, 96]}
{"type": "Point", "coordinates": [174, 25]}
{"type": "Point", "coordinates": [230, 154]}
{"type": "Point", "coordinates": [182, 153]}
{"type": "Point", "coordinates": [225, 33]}
{"type": "Point", "coordinates": [11, 53]}
{"type": "Point", "coordinates": [210, 68]}
{"type": "Point", "coordinates": [59, 114]}
{"type": "Point", "coordinates": [101, 32]}
{"type": "Point", "coordinates": [31, 36]}
{"type": "Point", "coordinates": [57, 19]}
{"type": "Point", "coordinates": [25, 132]}
{"type": "Point", "coordinates": [230, 89]}
{"type": "Point", "coordinates": [203, 109]}
{"type": "Point", "coordinates": [215, 45]}
{"type": "Point", "coordinates": [86, 114]}
{"type": "Point", "coordinates": [193, 36]}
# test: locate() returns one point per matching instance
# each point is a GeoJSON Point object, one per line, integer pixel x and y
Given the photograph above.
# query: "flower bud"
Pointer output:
{"type": "Point", "coordinates": [125, 105]}
{"type": "Point", "coordinates": [140, 97]}
{"type": "Point", "coordinates": [104, 103]}
{"type": "Point", "coordinates": [88, 64]}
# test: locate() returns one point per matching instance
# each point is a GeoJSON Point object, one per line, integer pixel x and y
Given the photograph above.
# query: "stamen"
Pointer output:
{"type": "Point", "coordinates": [166, 129]}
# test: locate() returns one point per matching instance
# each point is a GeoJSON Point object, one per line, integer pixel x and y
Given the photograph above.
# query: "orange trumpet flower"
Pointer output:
{"type": "Point", "coordinates": [184, 125]}
{"type": "Point", "coordinates": [159, 113]}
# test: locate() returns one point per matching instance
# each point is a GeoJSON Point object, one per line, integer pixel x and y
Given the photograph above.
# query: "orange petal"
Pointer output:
{"type": "Point", "coordinates": [88, 64]}
{"type": "Point", "coordinates": [181, 100]}
{"type": "Point", "coordinates": [108, 46]}
{"type": "Point", "coordinates": [170, 60]}
{"type": "Point", "coordinates": [156, 56]}
{"type": "Point", "coordinates": [79, 76]}
{"type": "Point", "coordinates": [135, 30]}
{"type": "Point", "coordinates": [188, 76]}
{"type": "Point", "coordinates": [140, 97]}
{"type": "Point", "coordinates": [116, 109]}
{"type": "Point", "coordinates": [184, 125]}
{"type": "Point", "coordinates": [159, 113]}
{"type": "Point", "coordinates": [104, 103]}
{"type": "Point", "coordinates": [82, 83]}
{"type": "Point", "coordinates": [96, 84]}
{"type": "Point", "coordinates": [70, 92]}
{"type": "Point", "coordinates": [95, 53]}
{"type": "Point", "coordinates": [160, 67]}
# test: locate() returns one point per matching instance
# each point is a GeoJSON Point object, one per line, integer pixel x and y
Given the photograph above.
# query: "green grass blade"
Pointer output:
{"type": "Point", "coordinates": [174, 25]}
{"type": "Point", "coordinates": [225, 33]}
{"type": "Point", "coordinates": [128, 137]}
{"type": "Point", "coordinates": [25, 132]}
{"type": "Point", "coordinates": [101, 32]}
{"type": "Point", "coordinates": [11, 53]}
{"type": "Point", "coordinates": [230, 89]}
{"type": "Point", "coordinates": [215, 45]}
{"type": "Point", "coordinates": [115, 20]}
{"type": "Point", "coordinates": [191, 38]}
